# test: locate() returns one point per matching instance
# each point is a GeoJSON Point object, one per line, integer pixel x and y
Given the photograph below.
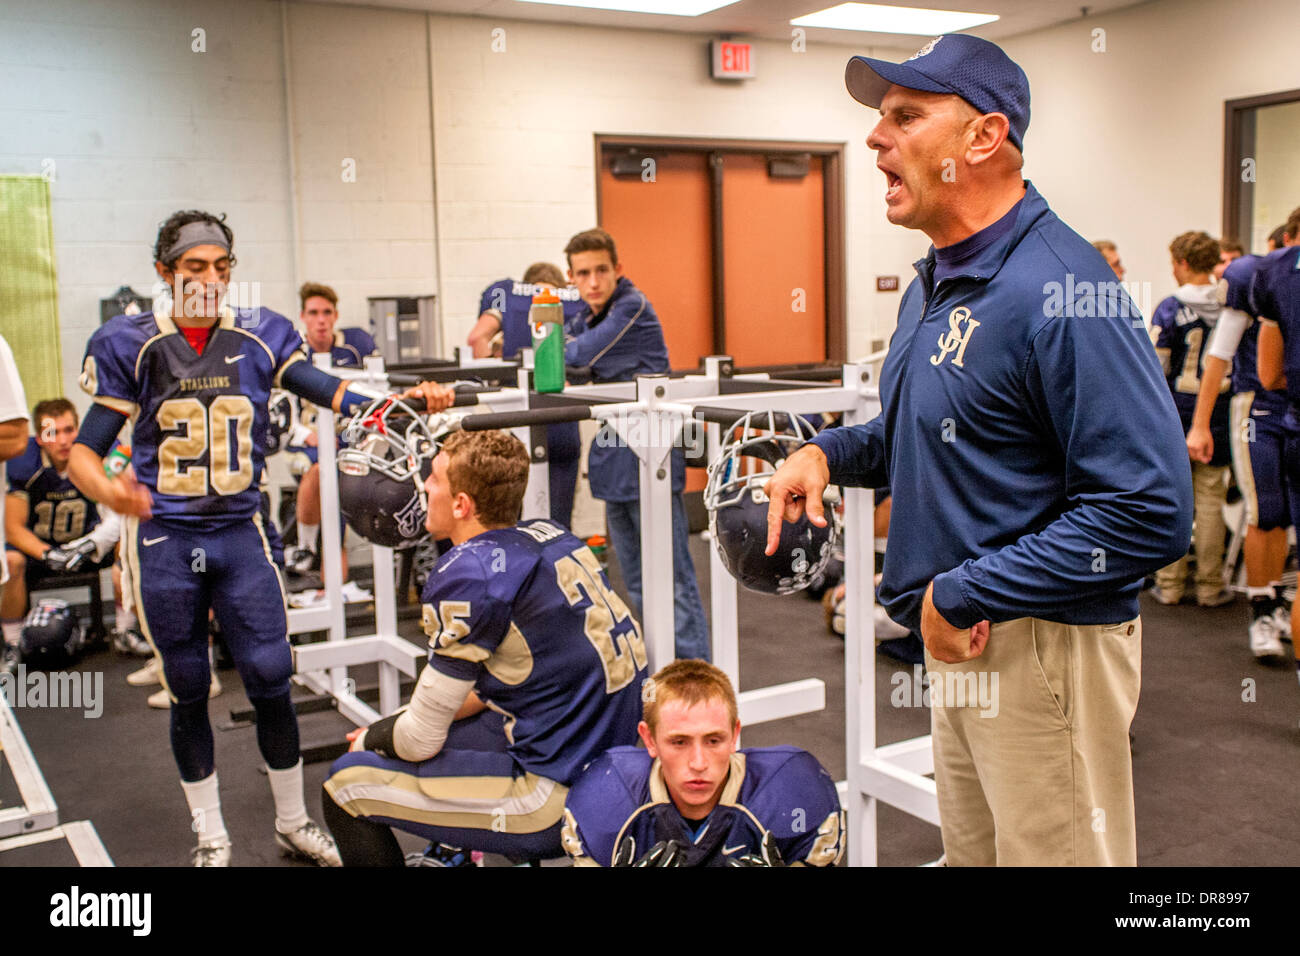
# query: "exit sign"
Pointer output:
{"type": "Point", "coordinates": [732, 61]}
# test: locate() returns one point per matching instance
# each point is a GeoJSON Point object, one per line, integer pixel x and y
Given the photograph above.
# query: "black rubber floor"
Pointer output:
{"type": "Point", "coordinates": [1215, 764]}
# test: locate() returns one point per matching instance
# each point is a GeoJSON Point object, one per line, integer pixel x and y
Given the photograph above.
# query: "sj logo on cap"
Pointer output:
{"type": "Point", "coordinates": [925, 49]}
{"type": "Point", "coordinates": [955, 340]}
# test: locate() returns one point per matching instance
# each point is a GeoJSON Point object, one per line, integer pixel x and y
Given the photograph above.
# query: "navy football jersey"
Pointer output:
{"type": "Point", "coordinates": [1277, 297]}
{"type": "Point", "coordinates": [350, 348]}
{"type": "Point", "coordinates": [1237, 290]}
{"type": "Point", "coordinates": [527, 613]}
{"type": "Point", "coordinates": [199, 421]}
{"type": "Point", "coordinates": [56, 511]}
{"type": "Point", "coordinates": [1182, 325]}
{"type": "Point", "coordinates": [781, 790]}
{"type": "Point", "coordinates": [510, 301]}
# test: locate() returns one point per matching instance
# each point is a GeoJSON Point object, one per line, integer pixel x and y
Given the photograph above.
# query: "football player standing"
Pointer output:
{"type": "Point", "coordinates": [194, 377]}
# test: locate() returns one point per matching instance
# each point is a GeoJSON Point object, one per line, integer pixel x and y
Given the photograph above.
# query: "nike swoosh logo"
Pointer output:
{"type": "Point", "coordinates": [232, 361]}
{"type": "Point", "coordinates": [728, 850]}
{"type": "Point", "coordinates": [150, 541]}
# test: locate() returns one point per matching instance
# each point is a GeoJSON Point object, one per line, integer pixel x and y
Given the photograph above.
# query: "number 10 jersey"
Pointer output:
{"type": "Point", "coordinates": [199, 420]}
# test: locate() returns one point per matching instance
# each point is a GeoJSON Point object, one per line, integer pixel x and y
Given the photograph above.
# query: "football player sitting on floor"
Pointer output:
{"type": "Point", "coordinates": [691, 798]}
{"type": "Point", "coordinates": [522, 625]}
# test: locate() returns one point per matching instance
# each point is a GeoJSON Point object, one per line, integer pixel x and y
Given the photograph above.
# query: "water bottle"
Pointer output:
{"type": "Point", "coordinates": [547, 320]}
{"type": "Point", "coordinates": [117, 460]}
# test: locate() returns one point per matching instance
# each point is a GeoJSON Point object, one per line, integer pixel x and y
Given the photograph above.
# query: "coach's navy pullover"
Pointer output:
{"type": "Point", "coordinates": [1037, 462]}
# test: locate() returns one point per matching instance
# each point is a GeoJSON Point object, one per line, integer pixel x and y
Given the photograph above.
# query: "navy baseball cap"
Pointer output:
{"type": "Point", "coordinates": [976, 70]}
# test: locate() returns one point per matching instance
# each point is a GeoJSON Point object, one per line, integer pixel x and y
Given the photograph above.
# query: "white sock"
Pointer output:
{"type": "Point", "coordinates": [123, 619]}
{"type": "Point", "coordinates": [286, 790]}
{"type": "Point", "coordinates": [205, 809]}
{"type": "Point", "coordinates": [13, 632]}
{"type": "Point", "coordinates": [307, 535]}
{"type": "Point", "coordinates": [1264, 592]}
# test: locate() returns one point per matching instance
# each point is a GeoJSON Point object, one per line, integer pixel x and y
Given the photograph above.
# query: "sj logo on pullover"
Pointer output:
{"type": "Point", "coordinates": [955, 340]}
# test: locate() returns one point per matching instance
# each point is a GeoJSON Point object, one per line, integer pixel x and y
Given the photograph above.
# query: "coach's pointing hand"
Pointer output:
{"type": "Point", "coordinates": [801, 479]}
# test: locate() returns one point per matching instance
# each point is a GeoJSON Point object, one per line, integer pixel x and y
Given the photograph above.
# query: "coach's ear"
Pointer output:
{"type": "Point", "coordinates": [647, 738]}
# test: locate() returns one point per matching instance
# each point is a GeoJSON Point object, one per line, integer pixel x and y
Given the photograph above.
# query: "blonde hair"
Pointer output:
{"type": "Point", "coordinates": [692, 682]}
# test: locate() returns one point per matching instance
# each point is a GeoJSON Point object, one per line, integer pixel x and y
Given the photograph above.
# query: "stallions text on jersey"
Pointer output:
{"type": "Point", "coordinates": [200, 420]}
{"type": "Point", "coordinates": [528, 614]}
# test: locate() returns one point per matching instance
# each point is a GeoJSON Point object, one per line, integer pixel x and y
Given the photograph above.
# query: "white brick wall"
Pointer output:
{"type": "Point", "coordinates": [113, 94]}
{"type": "Point", "coordinates": [515, 143]}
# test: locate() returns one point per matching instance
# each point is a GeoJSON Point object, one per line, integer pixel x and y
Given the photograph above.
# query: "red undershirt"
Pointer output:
{"type": "Point", "coordinates": [197, 337]}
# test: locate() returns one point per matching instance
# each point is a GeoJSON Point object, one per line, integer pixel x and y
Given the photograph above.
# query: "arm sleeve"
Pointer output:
{"type": "Point", "coordinates": [318, 387]}
{"type": "Point", "coordinates": [1228, 331]}
{"type": "Point", "coordinates": [105, 534]}
{"type": "Point", "coordinates": [856, 454]}
{"type": "Point", "coordinates": [593, 344]}
{"type": "Point", "coordinates": [99, 428]}
{"type": "Point", "coordinates": [421, 729]}
{"type": "Point", "coordinates": [1128, 486]}
{"type": "Point", "coordinates": [465, 623]}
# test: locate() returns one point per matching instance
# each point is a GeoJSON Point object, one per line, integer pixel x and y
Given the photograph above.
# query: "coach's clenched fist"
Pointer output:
{"type": "Point", "coordinates": [801, 479]}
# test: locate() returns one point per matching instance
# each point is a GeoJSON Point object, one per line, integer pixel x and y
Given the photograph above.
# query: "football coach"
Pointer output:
{"type": "Point", "coordinates": [1037, 465]}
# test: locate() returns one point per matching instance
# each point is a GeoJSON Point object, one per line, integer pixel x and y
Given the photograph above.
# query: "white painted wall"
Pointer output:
{"type": "Point", "coordinates": [1125, 143]}
{"type": "Point", "coordinates": [515, 149]}
{"type": "Point", "coordinates": [114, 97]}
{"type": "Point", "coordinates": [1128, 144]}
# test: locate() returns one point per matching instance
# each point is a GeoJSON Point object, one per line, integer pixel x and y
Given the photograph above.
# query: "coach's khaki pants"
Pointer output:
{"type": "Point", "coordinates": [1031, 747]}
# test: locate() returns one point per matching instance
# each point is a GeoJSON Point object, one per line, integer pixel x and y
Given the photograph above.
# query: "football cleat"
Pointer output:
{"type": "Point", "coordinates": [310, 842]}
{"type": "Point", "coordinates": [1282, 618]}
{"type": "Point", "coordinates": [132, 642]}
{"type": "Point", "coordinates": [151, 673]}
{"type": "Point", "coordinates": [1264, 640]}
{"type": "Point", "coordinates": [300, 560]}
{"type": "Point", "coordinates": [212, 854]}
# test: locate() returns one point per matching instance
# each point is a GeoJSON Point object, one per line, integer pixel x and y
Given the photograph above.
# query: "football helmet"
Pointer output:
{"type": "Point", "coordinates": [51, 636]}
{"type": "Point", "coordinates": [389, 454]}
{"type": "Point", "coordinates": [756, 445]}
